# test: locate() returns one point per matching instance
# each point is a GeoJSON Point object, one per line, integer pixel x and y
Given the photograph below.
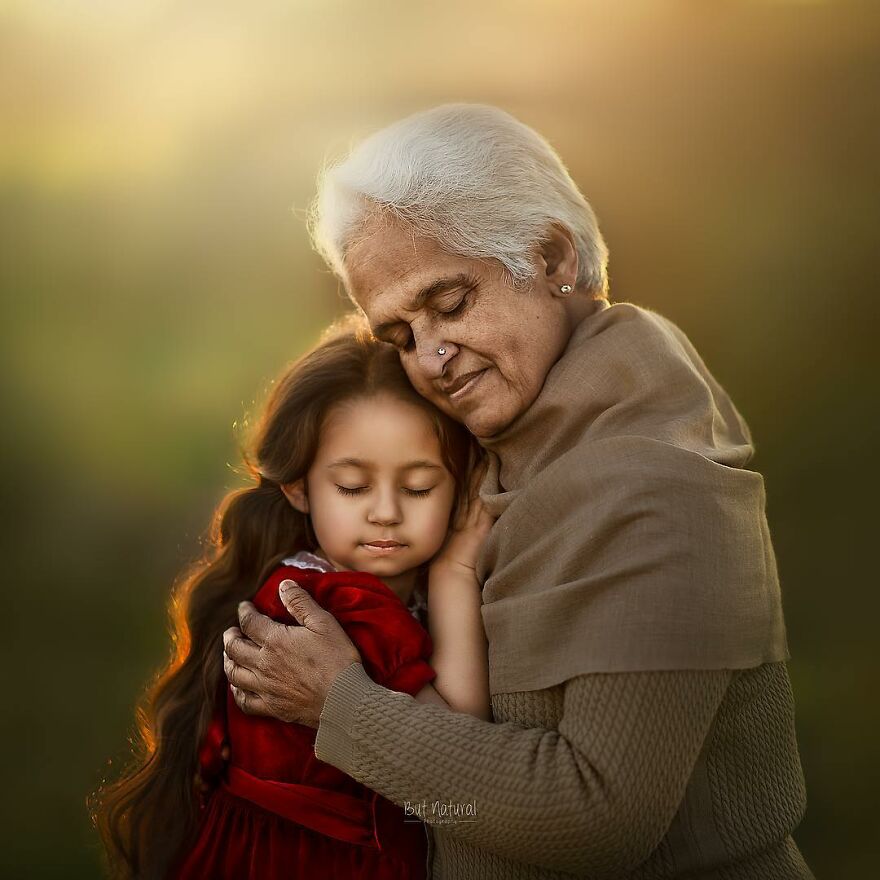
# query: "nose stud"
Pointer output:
{"type": "Point", "coordinates": [441, 351]}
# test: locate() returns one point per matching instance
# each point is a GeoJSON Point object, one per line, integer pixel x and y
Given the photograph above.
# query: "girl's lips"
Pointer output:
{"type": "Point", "coordinates": [383, 548]}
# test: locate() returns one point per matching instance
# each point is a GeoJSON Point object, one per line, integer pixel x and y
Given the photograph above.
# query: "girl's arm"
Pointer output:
{"type": "Point", "coordinates": [428, 694]}
{"type": "Point", "coordinates": [461, 652]}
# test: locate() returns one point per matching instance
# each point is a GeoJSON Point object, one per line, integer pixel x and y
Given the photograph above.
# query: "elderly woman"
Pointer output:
{"type": "Point", "coordinates": [643, 712]}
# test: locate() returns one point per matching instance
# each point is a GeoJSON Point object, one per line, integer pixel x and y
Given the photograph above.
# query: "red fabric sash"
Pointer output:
{"type": "Point", "coordinates": [332, 813]}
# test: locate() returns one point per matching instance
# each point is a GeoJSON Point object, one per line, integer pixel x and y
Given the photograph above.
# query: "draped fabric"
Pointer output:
{"type": "Point", "coordinates": [277, 811]}
{"type": "Point", "coordinates": [630, 536]}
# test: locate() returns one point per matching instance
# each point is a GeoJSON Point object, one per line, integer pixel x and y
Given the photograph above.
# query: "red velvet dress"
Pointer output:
{"type": "Point", "coordinates": [278, 811]}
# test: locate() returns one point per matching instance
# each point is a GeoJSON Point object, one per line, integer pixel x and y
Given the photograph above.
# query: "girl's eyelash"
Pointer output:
{"type": "Point", "coordinates": [358, 490]}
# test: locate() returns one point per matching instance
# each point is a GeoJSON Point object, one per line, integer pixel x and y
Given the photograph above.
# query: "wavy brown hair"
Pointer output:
{"type": "Point", "coordinates": [148, 815]}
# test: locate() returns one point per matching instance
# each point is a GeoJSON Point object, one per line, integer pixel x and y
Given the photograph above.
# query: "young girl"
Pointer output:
{"type": "Point", "coordinates": [357, 481]}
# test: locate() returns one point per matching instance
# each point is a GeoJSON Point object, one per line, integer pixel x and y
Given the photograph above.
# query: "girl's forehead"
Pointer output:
{"type": "Point", "coordinates": [379, 430]}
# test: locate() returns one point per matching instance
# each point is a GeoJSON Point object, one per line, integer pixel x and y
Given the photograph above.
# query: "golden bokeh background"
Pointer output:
{"type": "Point", "coordinates": [156, 159]}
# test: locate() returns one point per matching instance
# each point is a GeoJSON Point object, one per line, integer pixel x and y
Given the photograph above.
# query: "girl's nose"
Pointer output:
{"type": "Point", "coordinates": [385, 510]}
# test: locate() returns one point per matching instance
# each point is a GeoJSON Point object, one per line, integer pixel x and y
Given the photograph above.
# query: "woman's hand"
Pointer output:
{"type": "Point", "coordinates": [468, 532]}
{"type": "Point", "coordinates": [286, 671]}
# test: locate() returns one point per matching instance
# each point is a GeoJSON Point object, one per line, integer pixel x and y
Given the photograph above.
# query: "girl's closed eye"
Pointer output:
{"type": "Point", "coordinates": [359, 490]}
{"type": "Point", "coordinates": [351, 490]}
{"type": "Point", "coordinates": [418, 493]}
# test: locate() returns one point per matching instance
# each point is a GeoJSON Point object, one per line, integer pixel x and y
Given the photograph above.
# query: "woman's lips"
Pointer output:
{"type": "Point", "coordinates": [466, 388]}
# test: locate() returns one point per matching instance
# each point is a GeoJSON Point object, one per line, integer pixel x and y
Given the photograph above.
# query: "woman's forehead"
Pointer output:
{"type": "Point", "coordinates": [392, 270]}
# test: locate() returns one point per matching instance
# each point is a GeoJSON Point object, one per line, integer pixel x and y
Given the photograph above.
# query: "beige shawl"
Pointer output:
{"type": "Point", "coordinates": [630, 534]}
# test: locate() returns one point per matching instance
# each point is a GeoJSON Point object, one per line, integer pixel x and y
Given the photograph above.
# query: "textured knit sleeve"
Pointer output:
{"type": "Point", "coordinates": [594, 797]}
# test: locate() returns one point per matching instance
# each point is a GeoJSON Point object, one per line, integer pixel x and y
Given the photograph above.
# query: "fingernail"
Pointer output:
{"type": "Point", "coordinates": [286, 586]}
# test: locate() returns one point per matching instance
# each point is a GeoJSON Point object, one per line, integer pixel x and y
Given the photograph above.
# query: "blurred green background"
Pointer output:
{"type": "Point", "coordinates": [155, 162]}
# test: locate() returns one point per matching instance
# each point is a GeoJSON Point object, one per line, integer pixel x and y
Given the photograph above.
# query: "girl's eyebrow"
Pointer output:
{"type": "Point", "coordinates": [366, 465]}
{"type": "Point", "coordinates": [349, 462]}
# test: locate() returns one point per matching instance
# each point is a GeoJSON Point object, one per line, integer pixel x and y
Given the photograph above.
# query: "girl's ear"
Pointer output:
{"type": "Point", "coordinates": [295, 493]}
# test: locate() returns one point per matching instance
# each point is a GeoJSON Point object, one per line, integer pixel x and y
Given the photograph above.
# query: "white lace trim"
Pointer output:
{"type": "Point", "coordinates": [307, 560]}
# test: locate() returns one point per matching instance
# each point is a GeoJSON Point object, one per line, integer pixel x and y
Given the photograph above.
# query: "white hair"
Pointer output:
{"type": "Point", "coordinates": [473, 178]}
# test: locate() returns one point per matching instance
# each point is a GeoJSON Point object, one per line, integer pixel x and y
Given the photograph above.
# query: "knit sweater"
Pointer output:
{"type": "Point", "coordinates": [607, 775]}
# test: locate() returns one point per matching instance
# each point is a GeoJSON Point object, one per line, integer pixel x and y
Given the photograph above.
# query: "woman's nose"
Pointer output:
{"type": "Point", "coordinates": [433, 354]}
{"type": "Point", "coordinates": [385, 510]}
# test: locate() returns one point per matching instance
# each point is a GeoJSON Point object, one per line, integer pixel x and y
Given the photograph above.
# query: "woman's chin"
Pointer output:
{"type": "Point", "coordinates": [487, 420]}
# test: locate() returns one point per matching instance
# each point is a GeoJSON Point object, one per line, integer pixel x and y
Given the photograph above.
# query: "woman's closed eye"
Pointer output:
{"type": "Point", "coordinates": [403, 340]}
{"type": "Point", "coordinates": [457, 307]}
{"type": "Point", "coordinates": [455, 310]}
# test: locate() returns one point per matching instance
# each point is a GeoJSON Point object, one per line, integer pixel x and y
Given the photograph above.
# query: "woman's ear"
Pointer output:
{"type": "Point", "coordinates": [295, 493]}
{"type": "Point", "coordinates": [558, 258]}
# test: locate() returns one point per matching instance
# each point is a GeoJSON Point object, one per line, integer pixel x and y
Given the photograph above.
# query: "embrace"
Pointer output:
{"type": "Point", "coordinates": [502, 601]}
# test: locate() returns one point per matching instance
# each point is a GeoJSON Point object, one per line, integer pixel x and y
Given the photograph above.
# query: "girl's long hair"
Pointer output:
{"type": "Point", "coordinates": [148, 815]}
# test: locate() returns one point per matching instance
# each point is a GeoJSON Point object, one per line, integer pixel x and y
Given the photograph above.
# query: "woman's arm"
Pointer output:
{"type": "Point", "coordinates": [594, 797]}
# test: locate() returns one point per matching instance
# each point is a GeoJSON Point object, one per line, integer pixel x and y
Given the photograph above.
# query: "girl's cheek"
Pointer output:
{"type": "Point", "coordinates": [440, 524]}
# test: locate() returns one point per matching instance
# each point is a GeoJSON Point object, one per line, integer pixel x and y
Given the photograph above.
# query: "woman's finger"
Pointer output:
{"type": "Point", "coordinates": [249, 703]}
{"type": "Point", "coordinates": [239, 676]}
{"type": "Point", "coordinates": [241, 649]}
{"type": "Point", "coordinates": [303, 608]}
{"type": "Point", "coordinates": [257, 627]}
